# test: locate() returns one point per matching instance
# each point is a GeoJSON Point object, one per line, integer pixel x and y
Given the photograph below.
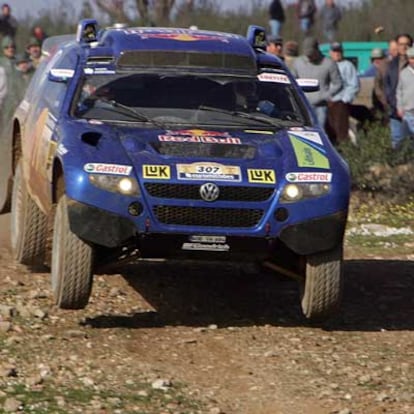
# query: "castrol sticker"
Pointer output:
{"type": "Point", "coordinates": [309, 177]}
{"type": "Point", "coordinates": [115, 169]}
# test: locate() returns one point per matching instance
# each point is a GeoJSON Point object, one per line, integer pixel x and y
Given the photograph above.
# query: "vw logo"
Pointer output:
{"type": "Point", "coordinates": [209, 192]}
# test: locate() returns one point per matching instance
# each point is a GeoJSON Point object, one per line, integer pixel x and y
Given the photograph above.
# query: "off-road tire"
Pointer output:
{"type": "Point", "coordinates": [321, 290]}
{"type": "Point", "coordinates": [28, 224]}
{"type": "Point", "coordinates": [71, 271]}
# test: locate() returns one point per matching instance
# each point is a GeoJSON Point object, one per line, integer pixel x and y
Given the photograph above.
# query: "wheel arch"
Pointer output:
{"type": "Point", "coordinates": [17, 148]}
{"type": "Point", "coordinates": [58, 180]}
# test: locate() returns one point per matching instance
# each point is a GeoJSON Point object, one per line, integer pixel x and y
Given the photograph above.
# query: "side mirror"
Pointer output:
{"type": "Point", "coordinates": [308, 85]}
{"type": "Point", "coordinates": [60, 75]}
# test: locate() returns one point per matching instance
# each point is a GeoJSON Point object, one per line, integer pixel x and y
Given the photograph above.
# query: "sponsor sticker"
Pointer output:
{"type": "Point", "coordinates": [61, 149]}
{"type": "Point", "coordinates": [208, 171]}
{"type": "Point", "coordinates": [313, 177]}
{"type": "Point", "coordinates": [199, 135]}
{"type": "Point", "coordinates": [273, 77]}
{"type": "Point", "coordinates": [208, 247]}
{"type": "Point", "coordinates": [308, 135]}
{"type": "Point", "coordinates": [183, 35]}
{"type": "Point", "coordinates": [158, 172]}
{"type": "Point", "coordinates": [261, 176]}
{"type": "Point", "coordinates": [115, 169]}
{"type": "Point", "coordinates": [309, 156]}
{"type": "Point", "coordinates": [253, 131]}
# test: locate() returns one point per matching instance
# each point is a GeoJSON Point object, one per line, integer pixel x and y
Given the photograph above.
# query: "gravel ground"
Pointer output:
{"type": "Point", "coordinates": [173, 338]}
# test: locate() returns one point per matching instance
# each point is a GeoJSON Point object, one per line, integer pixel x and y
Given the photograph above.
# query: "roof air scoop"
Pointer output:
{"type": "Point", "coordinates": [87, 31]}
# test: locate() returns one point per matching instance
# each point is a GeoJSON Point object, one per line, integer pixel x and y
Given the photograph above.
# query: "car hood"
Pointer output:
{"type": "Point", "coordinates": [283, 150]}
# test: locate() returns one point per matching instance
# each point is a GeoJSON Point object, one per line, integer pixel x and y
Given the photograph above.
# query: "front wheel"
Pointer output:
{"type": "Point", "coordinates": [321, 289]}
{"type": "Point", "coordinates": [71, 271]}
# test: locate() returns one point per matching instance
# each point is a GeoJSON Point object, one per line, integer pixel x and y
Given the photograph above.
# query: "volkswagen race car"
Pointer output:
{"type": "Point", "coordinates": [177, 144]}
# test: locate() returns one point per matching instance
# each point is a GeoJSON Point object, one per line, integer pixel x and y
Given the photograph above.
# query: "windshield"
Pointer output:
{"type": "Point", "coordinates": [270, 100]}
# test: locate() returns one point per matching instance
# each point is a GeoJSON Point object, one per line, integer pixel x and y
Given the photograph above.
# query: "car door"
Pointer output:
{"type": "Point", "coordinates": [40, 138]}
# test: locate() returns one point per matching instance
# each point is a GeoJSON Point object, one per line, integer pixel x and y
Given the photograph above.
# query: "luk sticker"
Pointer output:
{"type": "Point", "coordinates": [157, 172]}
{"type": "Point", "coordinates": [199, 135]}
{"type": "Point", "coordinates": [305, 177]}
{"type": "Point", "coordinates": [208, 171]}
{"type": "Point", "coordinates": [115, 169]}
{"type": "Point", "coordinates": [261, 176]}
{"type": "Point", "coordinates": [273, 77]}
{"type": "Point", "coordinates": [309, 156]}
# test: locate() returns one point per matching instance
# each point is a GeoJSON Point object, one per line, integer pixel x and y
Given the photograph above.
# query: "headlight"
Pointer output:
{"type": "Point", "coordinates": [115, 183]}
{"type": "Point", "coordinates": [296, 192]}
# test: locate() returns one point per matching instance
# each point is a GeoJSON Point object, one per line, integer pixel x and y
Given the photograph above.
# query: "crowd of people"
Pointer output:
{"type": "Point", "coordinates": [330, 14]}
{"type": "Point", "coordinates": [393, 71]}
{"type": "Point", "coordinates": [16, 69]}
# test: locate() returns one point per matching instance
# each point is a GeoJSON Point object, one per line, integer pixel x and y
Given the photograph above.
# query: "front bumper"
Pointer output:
{"type": "Point", "coordinates": [111, 230]}
{"type": "Point", "coordinates": [315, 235]}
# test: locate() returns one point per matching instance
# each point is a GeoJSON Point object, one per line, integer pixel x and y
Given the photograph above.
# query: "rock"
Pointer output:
{"type": "Point", "coordinates": [12, 405]}
{"type": "Point", "coordinates": [161, 384]}
{"type": "Point", "coordinates": [5, 326]}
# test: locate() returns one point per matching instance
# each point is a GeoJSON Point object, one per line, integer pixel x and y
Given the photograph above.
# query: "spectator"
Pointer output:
{"type": "Point", "coordinates": [330, 16]}
{"type": "Point", "coordinates": [379, 99]}
{"type": "Point", "coordinates": [39, 34]}
{"type": "Point", "coordinates": [339, 106]}
{"type": "Point", "coordinates": [312, 64]}
{"type": "Point", "coordinates": [34, 51]}
{"type": "Point", "coordinates": [305, 11]}
{"type": "Point", "coordinates": [8, 23]}
{"type": "Point", "coordinates": [392, 49]}
{"type": "Point", "coordinates": [290, 52]}
{"type": "Point", "coordinates": [397, 126]}
{"type": "Point", "coordinates": [277, 17]}
{"type": "Point", "coordinates": [3, 87]}
{"type": "Point", "coordinates": [405, 93]}
{"type": "Point", "coordinates": [275, 46]}
{"type": "Point", "coordinates": [7, 61]}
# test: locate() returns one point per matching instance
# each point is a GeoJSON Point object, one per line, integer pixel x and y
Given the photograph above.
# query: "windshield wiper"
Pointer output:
{"type": "Point", "coordinates": [139, 116]}
{"type": "Point", "coordinates": [273, 123]}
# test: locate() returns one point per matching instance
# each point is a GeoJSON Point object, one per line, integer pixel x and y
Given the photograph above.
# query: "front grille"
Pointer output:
{"type": "Point", "coordinates": [209, 217]}
{"type": "Point", "coordinates": [192, 192]}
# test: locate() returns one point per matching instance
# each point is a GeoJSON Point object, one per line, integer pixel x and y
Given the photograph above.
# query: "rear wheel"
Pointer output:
{"type": "Point", "coordinates": [28, 224]}
{"type": "Point", "coordinates": [321, 289]}
{"type": "Point", "coordinates": [71, 271]}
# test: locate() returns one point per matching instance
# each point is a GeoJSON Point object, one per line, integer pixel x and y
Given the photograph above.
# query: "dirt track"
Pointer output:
{"type": "Point", "coordinates": [233, 339]}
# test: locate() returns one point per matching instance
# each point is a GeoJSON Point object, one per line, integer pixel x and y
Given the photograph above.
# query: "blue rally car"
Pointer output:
{"type": "Point", "coordinates": [173, 143]}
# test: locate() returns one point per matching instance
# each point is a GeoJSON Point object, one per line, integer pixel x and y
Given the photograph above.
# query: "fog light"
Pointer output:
{"type": "Point", "coordinates": [281, 214]}
{"type": "Point", "coordinates": [135, 208]}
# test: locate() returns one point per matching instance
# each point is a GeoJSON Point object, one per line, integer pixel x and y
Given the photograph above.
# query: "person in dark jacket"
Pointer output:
{"type": "Point", "coordinates": [8, 23]}
{"type": "Point", "coordinates": [277, 18]}
{"type": "Point", "coordinates": [397, 64]}
{"type": "Point", "coordinates": [305, 11]}
{"type": "Point", "coordinates": [330, 16]}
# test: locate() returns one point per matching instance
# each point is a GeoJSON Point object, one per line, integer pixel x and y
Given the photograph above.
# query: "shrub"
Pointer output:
{"type": "Point", "coordinates": [374, 165]}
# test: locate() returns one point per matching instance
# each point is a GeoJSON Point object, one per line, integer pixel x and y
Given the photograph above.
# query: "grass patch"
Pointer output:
{"type": "Point", "coordinates": [62, 400]}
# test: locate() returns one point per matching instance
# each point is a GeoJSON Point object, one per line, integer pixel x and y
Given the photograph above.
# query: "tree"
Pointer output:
{"type": "Point", "coordinates": [160, 9]}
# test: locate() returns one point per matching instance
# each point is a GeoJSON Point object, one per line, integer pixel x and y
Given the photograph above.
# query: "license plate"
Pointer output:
{"type": "Point", "coordinates": [207, 238]}
{"type": "Point", "coordinates": [207, 247]}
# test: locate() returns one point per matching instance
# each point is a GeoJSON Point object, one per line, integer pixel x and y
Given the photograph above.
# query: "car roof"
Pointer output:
{"type": "Point", "coordinates": [123, 48]}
